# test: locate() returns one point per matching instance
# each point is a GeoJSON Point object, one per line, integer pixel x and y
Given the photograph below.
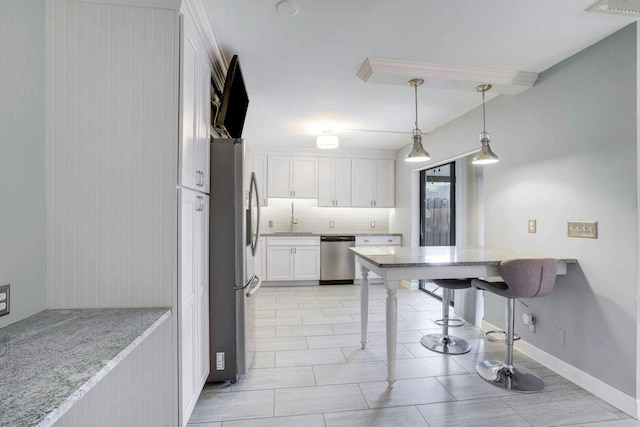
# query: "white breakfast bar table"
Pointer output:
{"type": "Point", "coordinates": [393, 264]}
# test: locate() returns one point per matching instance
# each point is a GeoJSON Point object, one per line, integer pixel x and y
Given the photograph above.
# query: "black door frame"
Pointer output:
{"type": "Point", "coordinates": [424, 178]}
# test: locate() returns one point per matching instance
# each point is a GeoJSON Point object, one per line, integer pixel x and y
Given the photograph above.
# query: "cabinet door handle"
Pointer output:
{"type": "Point", "coordinates": [199, 178]}
{"type": "Point", "coordinates": [375, 203]}
{"type": "Point", "coordinates": [199, 203]}
{"type": "Point", "coordinates": [291, 249]}
{"type": "Point", "coordinates": [294, 193]}
{"type": "Point", "coordinates": [365, 241]}
{"type": "Point", "coordinates": [390, 240]}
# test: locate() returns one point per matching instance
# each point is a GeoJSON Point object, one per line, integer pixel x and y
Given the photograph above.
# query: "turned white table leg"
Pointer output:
{"type": "Point", "coordinates": [392, 333]}
{"type": "Point", "coordinates": [364, 305]}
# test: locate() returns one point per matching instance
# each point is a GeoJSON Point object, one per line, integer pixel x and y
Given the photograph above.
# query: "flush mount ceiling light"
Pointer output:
{"type": "Point", "coordinates": [287, 8]}
{"type": "Point", "coordinates": [417, 153]}
{"type": "Point", "coordinates": [327, 141]}
{"type": "Point", "coordinates": [485, 156]}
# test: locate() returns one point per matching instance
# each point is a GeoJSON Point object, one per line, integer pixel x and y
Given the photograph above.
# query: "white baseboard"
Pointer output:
{"type": "Point", "coordinates": [588, 382]}
{"type": "Point", "coordinates": [409, 284]}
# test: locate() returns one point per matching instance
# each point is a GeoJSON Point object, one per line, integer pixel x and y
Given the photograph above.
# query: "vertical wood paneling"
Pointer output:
{"type": "Point", "coordinates": [137, 392]}
{"type": "Point", "coordinates": [112, 156]}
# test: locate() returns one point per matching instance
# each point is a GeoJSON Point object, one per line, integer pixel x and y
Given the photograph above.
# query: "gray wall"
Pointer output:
{"type": "Point", "coordinates": [22, 167]}
{"type": "Point", "coordinates": [567, 151]}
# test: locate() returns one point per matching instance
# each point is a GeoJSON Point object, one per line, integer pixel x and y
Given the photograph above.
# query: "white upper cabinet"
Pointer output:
{"type": "Point", "coordinates": [260, 169]}
{"type": "Point", "coordinates": [372, 183]}
{"type": "Point", "coordinates": [334, 182]}
{"type": "Point", "coordinates": [292, 177]}
{"type": "Point", "coordinates": [385, 186]}
{"type": "Point", "coordinates": [195, 89]}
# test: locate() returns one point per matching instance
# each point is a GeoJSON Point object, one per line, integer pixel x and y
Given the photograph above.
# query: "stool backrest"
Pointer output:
{"type": "Point", "coordinates": [528, 278]}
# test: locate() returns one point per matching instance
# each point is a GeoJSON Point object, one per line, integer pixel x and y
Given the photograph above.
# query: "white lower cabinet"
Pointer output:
{"type": "Point", "coordinates": [293, 258]}
{"type": "Point", "coordinates": [193, 296]}
{"type": "Point", "coordinates": [260, 259]}
{"type": "Point", "coordinates": [375, 241]}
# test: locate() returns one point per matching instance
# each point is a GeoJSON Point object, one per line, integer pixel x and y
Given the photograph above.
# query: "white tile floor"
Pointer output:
{"type": "Point", "coordinates": [310, 371]}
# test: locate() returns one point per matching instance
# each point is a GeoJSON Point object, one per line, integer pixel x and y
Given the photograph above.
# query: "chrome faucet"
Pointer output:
{"type": "Point", "coordinates": [293, 220]}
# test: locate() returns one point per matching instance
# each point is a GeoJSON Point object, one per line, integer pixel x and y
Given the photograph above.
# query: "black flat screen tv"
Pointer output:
{"type": "Point", "coordinates": [233, 107]}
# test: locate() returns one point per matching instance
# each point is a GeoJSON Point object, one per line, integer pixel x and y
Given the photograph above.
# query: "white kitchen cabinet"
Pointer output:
{"type": "Point", "coordinates": [292, 177]}
{"type": "Point", "coordinates": [260, 169]}
{"type": "Point", "coordinates": [260, 258]}
{"type": "Point", "coordinates": [334, 182]}
{"type": "Point", "coordinates": [372, 183]}
{"type": "Point", "coordinates": [193, 295]}
{"type": "Point", "coordinates": [293, 258]}
{"type": "Point", "coordinates": [195, 90]}
{"type": "Point", "coordinates": [193, 303]}
{"type": "Point", "coordinates": [380, 240]}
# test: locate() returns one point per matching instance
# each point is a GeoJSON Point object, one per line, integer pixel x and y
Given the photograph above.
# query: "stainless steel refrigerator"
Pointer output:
{"type": "Point", "coordinates": [233, 239]}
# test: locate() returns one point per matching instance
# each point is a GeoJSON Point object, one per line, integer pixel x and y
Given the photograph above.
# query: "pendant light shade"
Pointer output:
{"type": "Point", "coordinates": [417, 153]}
{"type": "Point", "coordinates": [327, 141]}
{"type": "Point", "coordinates": [484, 156]}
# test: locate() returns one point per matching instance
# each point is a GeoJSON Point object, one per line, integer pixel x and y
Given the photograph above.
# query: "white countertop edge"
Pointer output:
{"type": "Point", "coordinates": [57, 413]}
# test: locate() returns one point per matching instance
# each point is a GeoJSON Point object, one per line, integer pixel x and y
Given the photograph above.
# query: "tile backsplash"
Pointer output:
{"type": "Point", "coordinates": [310, 217]}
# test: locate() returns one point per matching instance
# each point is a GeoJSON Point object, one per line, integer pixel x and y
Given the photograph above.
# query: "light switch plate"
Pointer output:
{"type": "Point", "coordinates": [532, 226]}
{"type": "Point", "coordinates": [586, 229]}
{"type": "Point", "coordinates": [4, 300]}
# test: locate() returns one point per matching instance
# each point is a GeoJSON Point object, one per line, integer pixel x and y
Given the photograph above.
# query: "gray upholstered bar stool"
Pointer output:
{"type": "Point", "coordinates": [523, 278]}
{"type": "Point", "coordinates": [445, 343]}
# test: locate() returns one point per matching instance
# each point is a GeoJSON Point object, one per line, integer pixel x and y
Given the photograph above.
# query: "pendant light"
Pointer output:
{"type": "Point", "coordinates": [417, 153]}
{"type": "Point", "coordinates": [484, 156]}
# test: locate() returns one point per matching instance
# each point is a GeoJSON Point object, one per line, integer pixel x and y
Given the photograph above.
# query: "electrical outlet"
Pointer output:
{"type": "Point", "coordinates": [270, 224]}
{"type": "Point", "coordinates": [373, 224]}
{"type": "Point", "coordinates": [530, 321]}
{"type": "Point", "coordinates": [587, 229]}
{"type": "Point", "coordinates": [4, 300]}
{"type": "Point", "coordinates": [532, 226]}
{"type": "Point", "coordinates": [330, 224]}
{"type": "Point", "coordinates": [220, 361]}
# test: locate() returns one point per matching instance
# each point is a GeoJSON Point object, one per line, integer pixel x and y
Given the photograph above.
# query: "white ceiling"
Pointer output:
{"type": "Point", "coordinates": [301, 71]}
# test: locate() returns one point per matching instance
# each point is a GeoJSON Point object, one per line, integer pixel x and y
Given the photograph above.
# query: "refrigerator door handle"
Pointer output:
{"type": "Point", "coordinates": [253, 195]}
{"type": "Point", "coordinates": [256, 282]}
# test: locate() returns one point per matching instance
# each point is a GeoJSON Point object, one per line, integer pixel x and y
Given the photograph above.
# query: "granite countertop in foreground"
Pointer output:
{"type": "Point", "coordinates": [442, 256]}
{"type": "Point", "coordinates": [50, 360]}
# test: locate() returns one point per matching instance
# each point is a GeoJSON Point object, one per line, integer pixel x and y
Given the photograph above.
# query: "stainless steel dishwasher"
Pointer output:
{"type": "Point", "coordinates": [337, 262]}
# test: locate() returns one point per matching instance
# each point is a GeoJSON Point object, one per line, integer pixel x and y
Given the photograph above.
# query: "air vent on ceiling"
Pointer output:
{"type": "Point", "coordinates": [616, 7]}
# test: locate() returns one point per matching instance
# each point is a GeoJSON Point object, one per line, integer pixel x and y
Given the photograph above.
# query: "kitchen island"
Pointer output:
{"type": "Point", "coordinates": [394, 264]}
{"type": "Point", "coordinates": [53, 359]}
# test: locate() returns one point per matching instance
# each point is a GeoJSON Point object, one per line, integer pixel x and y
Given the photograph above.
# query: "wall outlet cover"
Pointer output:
{"type": "Point", "coordinates": [4, 300]}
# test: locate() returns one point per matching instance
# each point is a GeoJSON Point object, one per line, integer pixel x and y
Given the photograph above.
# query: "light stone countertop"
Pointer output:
{"type": "Point", "coordinates": [442, 256]}
{"type": "Point", "coordinates": [50, 360]}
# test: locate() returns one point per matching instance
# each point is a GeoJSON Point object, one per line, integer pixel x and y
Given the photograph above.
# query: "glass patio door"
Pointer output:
{"type": "Point", "coordinates": [437, 212]}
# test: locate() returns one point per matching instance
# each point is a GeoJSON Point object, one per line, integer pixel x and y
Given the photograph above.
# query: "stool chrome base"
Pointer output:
{"type": "Point", "coordinates": [445, 344]}
{"type": "Point", "coordinates": [509, 377]}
